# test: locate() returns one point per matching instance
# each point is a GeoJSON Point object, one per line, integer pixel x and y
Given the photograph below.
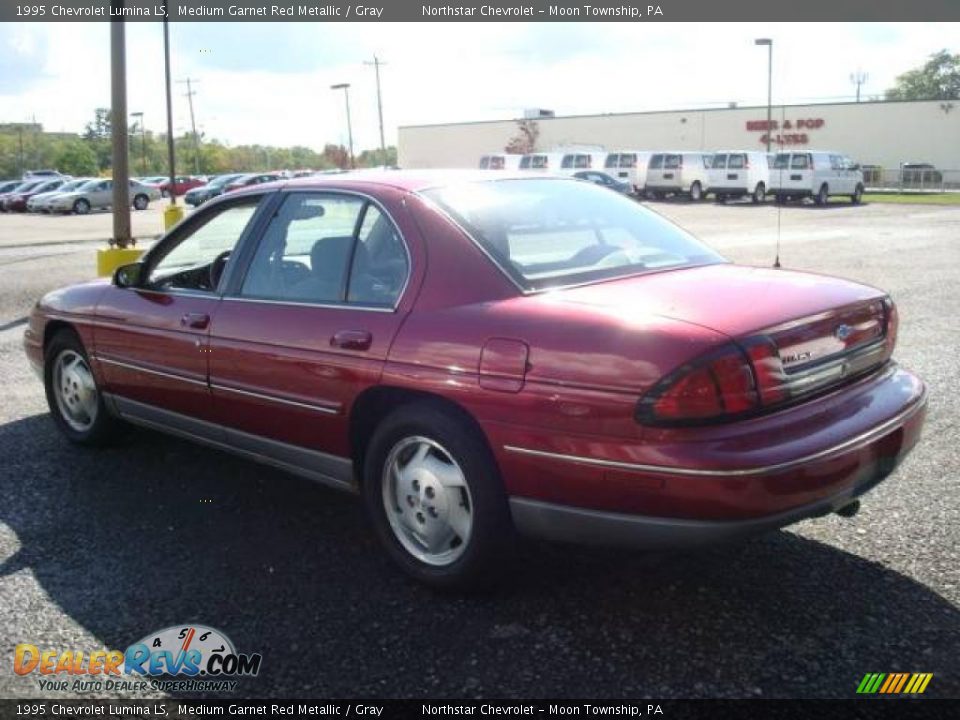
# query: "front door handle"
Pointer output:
{"type": "Point", "coordinates": [352, 339]}
{"type": "Point", "coordinates": [198, 321]}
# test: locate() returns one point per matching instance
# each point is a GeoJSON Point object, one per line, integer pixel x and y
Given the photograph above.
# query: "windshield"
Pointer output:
{"type": "Point", "coordinates": [72, 185]}
{"type": "Point", "coordinates": [552, 232]}
{"type": "Point", "coordinates": [222, 180]}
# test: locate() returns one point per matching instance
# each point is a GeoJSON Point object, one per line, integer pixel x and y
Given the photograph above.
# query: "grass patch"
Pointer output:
{"type": "Point", "coordinates": [944, 198]}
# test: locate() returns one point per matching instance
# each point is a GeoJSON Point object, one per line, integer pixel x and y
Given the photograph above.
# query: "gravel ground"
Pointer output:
{"type": "Point", "coordinates": [98, 548]}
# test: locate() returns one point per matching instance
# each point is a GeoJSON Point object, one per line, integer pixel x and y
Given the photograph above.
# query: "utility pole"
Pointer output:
{"type": "Point", "coordinates": [193, 123]}
{"type": "Point", "coordinates": [171, 157]}
{"type": "Point", "coordinates": [118, 113]}
{"type": "Point", "coordinates": [383, 145]}
{"type": "Point", "coordinates": [859, 78]}
{"type": "Point", "coordinates": [769, 43]}
{"type": "Point", "coordinates": [20, 140]}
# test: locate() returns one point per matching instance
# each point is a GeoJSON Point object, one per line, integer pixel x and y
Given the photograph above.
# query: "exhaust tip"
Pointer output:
{"type": "Point", "coordinates": [849, 510]}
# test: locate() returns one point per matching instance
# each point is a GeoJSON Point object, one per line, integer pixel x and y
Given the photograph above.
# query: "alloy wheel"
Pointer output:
{"type": "Point", "coordinates": [427, 501]}
{"type": "Point", "coordinates": [75, 390]}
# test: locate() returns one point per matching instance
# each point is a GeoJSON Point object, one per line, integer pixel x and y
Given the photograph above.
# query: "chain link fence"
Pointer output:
{"type": "Point", "coordinates": [910, 178]}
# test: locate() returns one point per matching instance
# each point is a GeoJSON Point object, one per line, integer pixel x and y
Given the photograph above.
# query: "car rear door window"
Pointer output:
{"type": "Point", "coordinates": [735, 162]}
{"type": "Point", "coordinates": [671, 162]}
{"type": "Point", "coordinates": [656, 162]}
{"type": "Point", "coordinates": [800, 162]}
{"type": "Point", "coordinates": [328, 249]}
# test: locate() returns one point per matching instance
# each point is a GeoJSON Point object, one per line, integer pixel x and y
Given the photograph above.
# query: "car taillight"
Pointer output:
{"type": "Point", "coordinates": [892, 320]}
{"type": "Point", "coordinates": [716, 386]}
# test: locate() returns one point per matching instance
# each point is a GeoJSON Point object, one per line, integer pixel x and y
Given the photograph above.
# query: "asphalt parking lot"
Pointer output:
{"type": "Point", "coordinates": [98, 548]}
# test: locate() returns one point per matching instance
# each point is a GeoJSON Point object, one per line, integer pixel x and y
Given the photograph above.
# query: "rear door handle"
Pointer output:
{"type": "Point", "coordinates": [352, 339]}
{"type": "Point", "coordinates": [199, 321]}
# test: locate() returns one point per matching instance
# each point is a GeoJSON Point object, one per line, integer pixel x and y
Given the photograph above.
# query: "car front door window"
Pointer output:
{"type": "Point", "coordinates": [196, 261]}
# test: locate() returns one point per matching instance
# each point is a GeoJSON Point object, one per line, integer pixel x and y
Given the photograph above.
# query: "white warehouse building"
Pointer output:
{"type": "Point", "coordinates": [882, 134]}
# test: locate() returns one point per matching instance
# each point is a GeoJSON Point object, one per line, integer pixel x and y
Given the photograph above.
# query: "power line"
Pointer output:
{"type": "Point", "coordinates": [193, 123]}
{"type": "Point", "coordinates": [858, 78]}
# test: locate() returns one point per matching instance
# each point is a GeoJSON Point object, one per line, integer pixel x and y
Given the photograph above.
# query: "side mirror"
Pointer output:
{"type": "Point", "coordinates": [128, 276]}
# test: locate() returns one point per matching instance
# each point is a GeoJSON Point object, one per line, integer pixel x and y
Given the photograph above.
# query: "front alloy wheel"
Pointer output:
{"type": "Point", "coordinates": [75, 391]}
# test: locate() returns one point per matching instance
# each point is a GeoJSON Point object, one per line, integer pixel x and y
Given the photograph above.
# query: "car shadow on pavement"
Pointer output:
{"type": "Point", "coordinates": [157, 532]}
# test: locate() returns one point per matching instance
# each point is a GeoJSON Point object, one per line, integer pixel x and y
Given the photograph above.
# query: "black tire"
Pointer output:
{"type": "Point", "coordinates": [483, 557]}
{"type": "Point", "coordinates": [759, 194]}
{"type": "Point", "coordinates": [104, 426]}
{"type": "Point", "coordinates": [823, 195]}
{"type": "Point", "coordinates": [696, 191]}
{"type": "Point", "coordinates": [140, 202]}
{"type": "Point", "coordinates": [857, 196]}
{"type": "Point", "coordinates": [81, 206]}
{"type": "Point", "coordinates": [721, 198]}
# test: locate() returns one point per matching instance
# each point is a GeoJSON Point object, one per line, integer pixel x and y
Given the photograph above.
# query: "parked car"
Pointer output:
{"type": "Point", "coordinates": [42, 174]}
{"type": "Point", "coordinates": [182, 184]}
{"type": "Point", "coordinates": [541, 162]}
{"type": "Point", "coordinates": [604, 180]}
{"type": "Point", "coordinates": [629, 167]}
{"type": "Point", "coordinates": [571, 162]}
{"type": "Point", "coordinates": [17, 190]}
{"type": "Point", "coordinates": [199, 195]}
{"type": "Point", "coordinates": [252, 179]}
{"type": "Point", "coordinates": [40, 202]}
{"type": "Point", "coordinates": [98, 194]}
{"type": "Point", "coordinates": [676, 173]}
{"type": "Point", "coordinates": [9, 185]}
{"type": "Point", "coordinates": [154, 180]}
{"type": "Point", "coordinates": [17, 201]}
{"type": "Point", "coordinates": [817, 174]}
{"type": "Point", "coordinates": [500, 161]}
{"type": "Point", "coordinates": [739, 173]}
{"type": "Point", "coordinates": [474, 357]}
{"type": "Point", "coordinates": [920, 175]}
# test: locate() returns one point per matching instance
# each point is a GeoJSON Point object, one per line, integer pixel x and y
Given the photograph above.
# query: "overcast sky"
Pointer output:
{"type": "Point", "coordinates": [269, 83]}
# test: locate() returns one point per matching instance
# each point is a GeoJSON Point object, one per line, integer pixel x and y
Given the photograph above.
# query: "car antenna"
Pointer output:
{"type": "Point", "coordinates": [777, 198]}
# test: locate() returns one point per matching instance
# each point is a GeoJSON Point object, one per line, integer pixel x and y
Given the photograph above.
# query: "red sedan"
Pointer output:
{"type": "Point", "coordinates": [477, 354]}
{"type": "Point", "coordinates": [181, 184]}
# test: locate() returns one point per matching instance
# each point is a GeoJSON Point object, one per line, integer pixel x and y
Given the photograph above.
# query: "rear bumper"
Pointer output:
{"type": "Point", "coordinates": [712, 482]}
{"type": "Point", "coordinates": [565, 523]}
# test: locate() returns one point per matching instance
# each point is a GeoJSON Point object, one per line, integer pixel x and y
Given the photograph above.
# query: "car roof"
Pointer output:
{"type": "Point", "coordinates": [409, 180]}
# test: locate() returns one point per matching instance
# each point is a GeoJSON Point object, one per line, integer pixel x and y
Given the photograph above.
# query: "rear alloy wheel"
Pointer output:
{"type": "Point", "coordinates": [857, 196]}
{"type": "Point", "coordinates": [72, 393]}
{"type": "Point", "coordinates": [435, 498]}
{"type": "Point", "coordinates": [823, 195]}
{"type": "Point", "coordinates": [140, 202]}
{"type": "Point", "coordinates": [81, 206]}
{"type": "Point", "coordinates": [759, 194]}
{"type": "Point", "coordinates": [696, 192]}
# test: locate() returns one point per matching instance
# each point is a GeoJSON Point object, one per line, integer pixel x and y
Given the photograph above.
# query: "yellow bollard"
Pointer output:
{"type": "Point", "coordinates": [172, 215]}
{"type": "Point", "coordinates": [110, 259]}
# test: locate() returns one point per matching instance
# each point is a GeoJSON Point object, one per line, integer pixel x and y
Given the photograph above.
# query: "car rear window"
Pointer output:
{"type": "Point", "coordinates": [612, 160]}
{"type": "Point", "coordinates": [800, 162]}
{"type": "Point", "coordinates": [782, 161]}
{"type": "Point", "coordinates": [552, 232]}
{"type": "Point", "coordinates": [720, 161]}
{"type": "Point", "coordinates": [656, 162]}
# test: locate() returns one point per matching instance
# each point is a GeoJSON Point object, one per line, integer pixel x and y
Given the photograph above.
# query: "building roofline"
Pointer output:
{"type": "Point", "coordinates": [869, 103]}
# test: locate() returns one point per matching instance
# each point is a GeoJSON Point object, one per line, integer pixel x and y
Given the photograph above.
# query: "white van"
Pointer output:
{"type": "Point", "coordinates": [541, 162]}
{"type": "Point", "coordinates": [572, 162]}
{"type": "Point", "coordinates": [629, 166]}
{"type": "Point", "coordinates": [672, 173]}
{"type": "Point", "coordinates": [500, 161]}
{"type": "Point", "coordinates": [815, 174]}
{"type": "Point", "coordinates": [739, 173]}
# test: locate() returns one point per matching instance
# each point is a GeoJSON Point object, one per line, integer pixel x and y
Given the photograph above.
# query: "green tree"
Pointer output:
{"type": "Point", "coordinates": [75, 157]}
{"type": "Point", "coordinates": [377, 158]}
{"type": "Point", "coordinates": [937, 79]}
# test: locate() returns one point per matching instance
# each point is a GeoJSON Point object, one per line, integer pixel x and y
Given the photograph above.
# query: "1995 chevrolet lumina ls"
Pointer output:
{"type": "Point", "coordinates": [479, 353]}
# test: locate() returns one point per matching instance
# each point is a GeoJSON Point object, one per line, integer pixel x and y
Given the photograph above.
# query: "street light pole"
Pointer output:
{"type": "Point", "coordinates": [122, 236]}
{"type": "Point", "coordinates": [143, 142]}
{"type": "Point", "coordinates": [383, 145]}
{"type": "Point", "coordinates": [346, 94]}
{"type": "Point", "coordinates": [769, 43]}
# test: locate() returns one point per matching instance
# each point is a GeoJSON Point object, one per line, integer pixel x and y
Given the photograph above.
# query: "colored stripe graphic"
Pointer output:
{"type": "Point", "coordinates": [894, 683]}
